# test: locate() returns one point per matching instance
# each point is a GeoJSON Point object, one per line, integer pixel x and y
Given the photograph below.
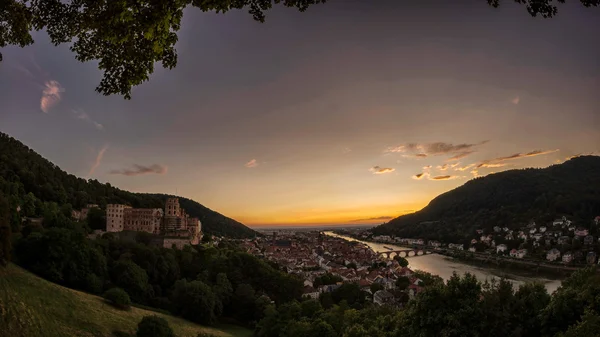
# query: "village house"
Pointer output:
{"type": "Point", "coordinates": [435, 244]}
{"type": "Point", "coordinates": [519, 254]}
{"type": "Point", "coordinates": [564, 240]}
{"type": "Point", "coordinates": [590, 258]}
{"type": "Point", "coordinates": [382, 297]}
{"type": "Point", "coordinates": [501, 248]}
{"type": "Point", "coordinates": [497, 229]}
{"type": "Point", "coordinates": [581, 232]}
{"type": "Point", "coordinates": [567, 257]}
{"type": "Point", "coordinates": [553, 254]}
{"type": "Point", "coordinates": [542, 229]}
{"type": "Point", "coordinates": [456, 246]}
{"type": "Point", "coordinates": [472, 249]}
{"type": "Point", "coordinates": [588, 240]}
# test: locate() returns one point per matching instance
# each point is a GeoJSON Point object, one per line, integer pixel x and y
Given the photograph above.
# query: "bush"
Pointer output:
{"type": "Point", "coordinates": [205, 334]}
{"type": "Point", "coordinates": [119, 333]}
{"type": "Point", "coordinates": [154, 326]}
{"type": "Point", "coordinates": [118, 297]}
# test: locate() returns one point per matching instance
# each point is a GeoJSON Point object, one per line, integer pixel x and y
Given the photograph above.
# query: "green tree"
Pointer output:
{"type": "Point", "coordinates": [154, 326]}
{"type": "Point", "coordinates": [117, 297]}
{"type": "Point", "coordinates": [195, 301]}
{"type": "Point", "coordinates": [375, 287]}
{"type": "Point", "coordinates": [128, 38]}
{"type": "Point", "coordinates": [402, 261]}
{"type": "Point", "coordinates": [96, 218]}
{"type": "Point", "coordinates": [5, 232]}
{"type": "Point", "coordinates": [402, 282]}
{"type": "Point", "coordinates": [132, 278]}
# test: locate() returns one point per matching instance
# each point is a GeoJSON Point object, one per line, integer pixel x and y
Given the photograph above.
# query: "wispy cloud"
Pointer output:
{"type": "Point", "coordinates": [446, 177]}
{"type": "Point", "coordinates": [98, 160]}
{"type": "Point", "coordinates": [252, 163]}
{"type": "Point", "coordinates": [427, 167]}
{"type": "Point", "coordinates": [415, 150]}
{"type": "Point", "coordinates": [515, 100]}
{"type": "Point", "coordinates": [491, 165]}
{"type": "Point", "coordinates": [80, 114]}
{"type": "Point", "coordinates": [475, 173]}
{"type": "Point", "coordinates": [140, 170]}
{"type": "Point", "coordinates": [464, 168]}
{"type": "Point", "coordinates": [443, 167]}
{"type": "Point", "coordinates": [499, 160]}
{"type": "Point", "coordinates": [346, 150]}
{"type": "Point", "coordinates": [381, 170]}
{"type": "Point", "coordinates": [460, 155]}
{"type": "Point", "coordinates": [51, 95]}
{"type": "Point", "coordinates": [419, 176]}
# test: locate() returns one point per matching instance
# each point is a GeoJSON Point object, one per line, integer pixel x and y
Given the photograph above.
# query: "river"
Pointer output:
{"type": "Point", "coordinates": [445, 267]}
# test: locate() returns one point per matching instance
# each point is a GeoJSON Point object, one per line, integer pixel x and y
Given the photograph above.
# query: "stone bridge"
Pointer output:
{"type": "Point", "coordinates": [404, 253]}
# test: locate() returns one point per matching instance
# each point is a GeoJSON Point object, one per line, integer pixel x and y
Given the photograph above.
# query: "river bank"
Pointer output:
{"type": "Point", "coordinates": [445, 266]}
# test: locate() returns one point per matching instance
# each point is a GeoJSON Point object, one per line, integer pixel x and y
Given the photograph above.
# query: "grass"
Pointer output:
{"type": "Point", "coordinates": [32, 306]}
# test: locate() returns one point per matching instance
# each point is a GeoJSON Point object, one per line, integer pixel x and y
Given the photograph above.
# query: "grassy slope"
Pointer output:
{"type": "Point", "coordinates": [31, 306]}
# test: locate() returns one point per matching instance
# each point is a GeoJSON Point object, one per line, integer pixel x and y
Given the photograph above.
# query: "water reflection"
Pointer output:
{"type": "Point", "coordinates": [444, 267]}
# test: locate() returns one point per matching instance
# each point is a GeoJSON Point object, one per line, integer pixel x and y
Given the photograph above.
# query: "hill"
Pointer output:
{"type": "Point", "coordinates": [23, 171]}
{"type": "Point", "coordinates": [510, 198]}
{"type": "Point", "coordinates": [32, 306]}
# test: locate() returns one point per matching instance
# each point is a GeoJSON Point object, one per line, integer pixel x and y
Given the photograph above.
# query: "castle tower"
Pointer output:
{"type": "Point", "coordinates": [172, 207]}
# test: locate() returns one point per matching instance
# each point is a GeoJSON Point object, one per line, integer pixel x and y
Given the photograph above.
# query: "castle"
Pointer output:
{"type": "Point", "coordinates": [171, 225]}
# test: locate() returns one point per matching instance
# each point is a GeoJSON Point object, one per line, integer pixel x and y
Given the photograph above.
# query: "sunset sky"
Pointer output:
{"type": "Point", "coordinates": [352, 112]}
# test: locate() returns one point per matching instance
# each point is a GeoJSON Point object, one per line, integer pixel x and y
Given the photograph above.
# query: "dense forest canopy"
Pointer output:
{"type": "Point", "coordinates": [510, 198]}
{"type": "Point", "coordinates": [127, 38]}
{"type": "Point", "coordinates": [24, 175]}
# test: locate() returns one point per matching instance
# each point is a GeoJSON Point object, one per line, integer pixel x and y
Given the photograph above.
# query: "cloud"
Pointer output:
{"type": "Point", "coordinates": [381, 170]}
{"type": "Point", "coordinates": [460, 155]}
{"type": "Point", "coordinates": [251, 164]}
{"type": "Point", "coordinates": [475, 173]}
{"type": "Point", "coordinates": [80, 114]}
{"type": "Point", "coordinates": [384, 217]}
{"type": "Point", "coordinates": [98, 160]}
{"type": "Point", "coordinates": [464, 168]}
{"type": "Point", "coordinates": [419, 176]}
{"type": "Point", "coordinates": [443, 167]}
{"type": "Point", "coordinates": [415, 150]}
{"type": "Point", "coordinates": [346, 150]}
{"type": "Point", "coordinates": [515, 100]}
{"type": "Point", "coordinates": [491, 165]}
{"type": "Point", "coordinates": [446, 177]}
{"type": "Point", "coordinates": [51, 95]}
{"type": "Point", "coordinates": [427, 167]}
{"type": "Point", "coordinates": [496, 161]}
{"type": "Point", "coordinates": [140, 170]}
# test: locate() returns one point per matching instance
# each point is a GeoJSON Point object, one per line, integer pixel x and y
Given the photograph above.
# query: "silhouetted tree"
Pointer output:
{"type": "Point", "coordinates": [128, 38]}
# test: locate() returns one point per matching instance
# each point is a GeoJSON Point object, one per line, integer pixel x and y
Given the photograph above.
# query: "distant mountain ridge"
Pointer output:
{"type": "Point", "coordinates": [510, 198]}
{"type": "Point", "coordinates": [23, 170]}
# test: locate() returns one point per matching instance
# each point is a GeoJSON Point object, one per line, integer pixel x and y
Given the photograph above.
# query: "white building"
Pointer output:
{"type": "Point", "coordinates": [457, 246]}
{"type": "Point", "coordinates": [553, 254]}
{"type": "Point", "coordinates": [501, 248]}
{"type": "Point", "coordinates": [114, 217]}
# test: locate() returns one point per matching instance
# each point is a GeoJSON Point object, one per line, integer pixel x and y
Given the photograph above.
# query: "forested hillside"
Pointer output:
{"type": "Point", "coordinates": [23, 171]}
{"type": "Point", "coordinates": [511, 198]}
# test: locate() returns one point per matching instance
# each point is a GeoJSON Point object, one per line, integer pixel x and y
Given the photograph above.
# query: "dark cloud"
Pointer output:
{"type": "Point", "coordinates": [381, 170]}
{"type": "Point", "coordinates": [419, 176]}
{"type": "Point", "coordinates": [496, 162]}
{"type": "Point", "coordinates": [447, 177]}
{"type": "Point", "coordinates": [460, 155]}
{"type": "Point", "coordinates": [140, 170]}
{"type": "Point", "coordinates": [457, 151]}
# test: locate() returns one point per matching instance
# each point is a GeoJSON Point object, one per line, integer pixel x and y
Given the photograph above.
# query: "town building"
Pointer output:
{"type": "Point", "coordinates": [567, 257]}
{"type": "Point", "coordinates": [501, 248]}
{"type": "Point", "coordinates": [114, 217]}
{"type": "Point", "coordinates": [382, 297]}
{"type": "Point", "coordinates": [591, 258]}
{"type": "Point", "coordinates": [142, 219]}
{"type": "Point", "coordinates": [172, 225]}
{"type": "Point", "coordinates": [553, 254]}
